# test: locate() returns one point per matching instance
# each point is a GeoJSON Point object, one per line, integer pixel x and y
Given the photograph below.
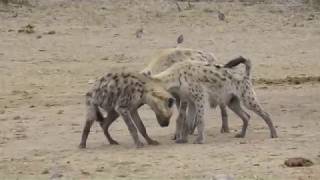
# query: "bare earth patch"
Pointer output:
{"type": "Point", "coordinates": [44, 75]}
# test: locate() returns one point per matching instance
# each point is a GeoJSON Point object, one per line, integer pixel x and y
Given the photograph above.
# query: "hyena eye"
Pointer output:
{"type": "Point", "coordinates": [170, 102]}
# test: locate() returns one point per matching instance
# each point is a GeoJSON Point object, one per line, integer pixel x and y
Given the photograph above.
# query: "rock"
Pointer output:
{"type": "Point", "coordinates": [51, 32]}
{"type": "Point", "coordinates": [139, 33]}
{"type": "Point", "coordinates": [84, 172]}
{"type": "Point", "coordinates": [45, 171]}
{"type": "Point", "coordinates": [105, 58]}
{"type": "Point", "coordinates": [298, 162]}
{"type": "Point", "coordinates": [100, 169]}
{"type": "Point", "coordinates": [180, 39]}
{"type": "Point", "coordinates": [60, 112]}
{"type": "Point", "coordinates": [221, 16]}
{"type": "Point", "coordinates": [16, 118]}
{"type": "Point", "coordinates": [27, 29]}
{"type": "Point", "coordinates": [311, 17]}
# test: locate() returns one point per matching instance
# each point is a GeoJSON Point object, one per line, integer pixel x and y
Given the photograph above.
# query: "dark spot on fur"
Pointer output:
{"type": "Point", "coordinates": [205, 79]}
{"type": "Point", "coordinates": [140, 90]}
{"type": "Point", "coordinates": [109, 74]}
{"type": "Point", "coordinates": [213, 80]}
{"type": "Point", "coordinates": [138, 84]}
{"type": "Point", "coordinates": [116, 81]}
{"type": "Point", "coordinates": [125, 81]}
{"type": "Point", "coordinates": [220, 77]}
{"type": "Point", "coordinates": [115, 77]}
{"type": "Point", "coordinates": [217, 66]}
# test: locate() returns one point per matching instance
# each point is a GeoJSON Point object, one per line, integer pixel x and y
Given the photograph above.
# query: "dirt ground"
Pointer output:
{"type": "Point", "coordinates": [45, 70]}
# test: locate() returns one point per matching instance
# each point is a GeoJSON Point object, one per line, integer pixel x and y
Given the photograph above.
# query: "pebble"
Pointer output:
{"type": "Point", "coordinates": [84, 172]}
{"type": "Point", "coordinates": [16, 118]}
{"type": "Point", "coordinates": [60, 112]}
{"type": "Point", "coordinates": [45, 171]}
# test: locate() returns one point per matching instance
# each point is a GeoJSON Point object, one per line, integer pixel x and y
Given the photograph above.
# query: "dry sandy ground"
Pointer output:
{"type": "Point", "coordinates": [43, 77]}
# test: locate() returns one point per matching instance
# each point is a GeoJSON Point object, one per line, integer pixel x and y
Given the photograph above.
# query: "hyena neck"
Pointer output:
{"type": "Point", "coordinates": [169, 79]}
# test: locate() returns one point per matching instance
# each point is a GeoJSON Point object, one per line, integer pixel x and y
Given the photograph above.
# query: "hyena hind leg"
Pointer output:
{"type": "Point", "coordinates": [105, 124]}
{"type": "Point", "coordinates": [252, 103]}
{"type": "Point", "coordinates": [235, 106]}
{"type": "Point", "coordinates": [200, 122]}
{"type": "Point", "coordinates": [90, 118]}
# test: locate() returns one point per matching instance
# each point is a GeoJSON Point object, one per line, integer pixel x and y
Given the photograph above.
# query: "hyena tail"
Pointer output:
{"type": "Point", "coordinates": [100, 112]}
{"type": "Point", "coordinates": [240, 60]}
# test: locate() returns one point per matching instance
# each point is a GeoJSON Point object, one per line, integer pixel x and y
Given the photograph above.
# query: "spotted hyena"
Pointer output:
{"type": "Point", "coordinates": [121, 94]}
{"type": "Point", "coordinates": [194, 80]}
{"type": "Point", "coordinates": [167, 57]}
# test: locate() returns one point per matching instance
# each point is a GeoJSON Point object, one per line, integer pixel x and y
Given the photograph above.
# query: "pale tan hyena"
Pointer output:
{"type": "Point", "coordinates": [121, 94]}
{"type": "Point", "coordinates": [224, 87]}
{"type": "Point", "coordinates": [166, 58]}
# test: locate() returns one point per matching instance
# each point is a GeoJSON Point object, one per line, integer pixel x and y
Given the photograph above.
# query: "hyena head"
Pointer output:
{"type": "Point", "coordinates": [161, 102]}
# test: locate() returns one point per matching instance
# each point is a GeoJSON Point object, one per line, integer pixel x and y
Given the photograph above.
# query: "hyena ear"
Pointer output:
{"type": "Point", "coordinates": [147, 73]}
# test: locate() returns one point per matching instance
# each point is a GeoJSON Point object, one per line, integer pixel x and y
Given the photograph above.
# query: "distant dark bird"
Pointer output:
{"type": "Point", "coordinates": [221, 16]}
{"type": "Point", "coordinates": [139, 32]}
{"type": "Point", "coordinates": [180, 39]}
